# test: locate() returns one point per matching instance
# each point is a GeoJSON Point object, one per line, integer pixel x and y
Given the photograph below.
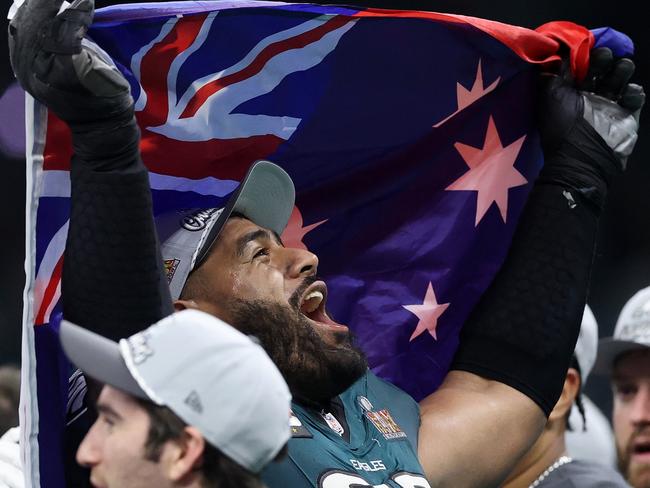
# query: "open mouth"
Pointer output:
{"type": "Point", "coordinates": [641, 447]}
{"type": "Point", "coordinates": [312, 306]}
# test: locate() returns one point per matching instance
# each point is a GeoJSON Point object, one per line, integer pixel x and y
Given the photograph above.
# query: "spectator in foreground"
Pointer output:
{"type": "Point", "coordinates": [547, 463]}
{"type": "Point", "coordinates": [188, 402]}
{"type": "Point", "coordinates": [625, 358]}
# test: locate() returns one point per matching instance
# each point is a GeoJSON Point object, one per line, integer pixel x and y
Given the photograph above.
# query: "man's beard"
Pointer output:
{"type": "Point", "coordinates": [638, 475]}
{"type": "Point", "coordinates": [315, 370]}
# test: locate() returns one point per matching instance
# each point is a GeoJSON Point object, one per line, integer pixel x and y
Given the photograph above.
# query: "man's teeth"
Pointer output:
{"type": "Point", "coordinates": [311, 302]}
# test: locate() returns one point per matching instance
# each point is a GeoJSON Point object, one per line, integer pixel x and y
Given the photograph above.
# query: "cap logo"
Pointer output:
{"type": "Point", "coordinates": [170, 268]}
{"type": "Point", "coordinates": [194, 402]}
{"type": "Point", "coordinates": [197, 220]}
{"type": "Point", "coordinates": [140, 350]}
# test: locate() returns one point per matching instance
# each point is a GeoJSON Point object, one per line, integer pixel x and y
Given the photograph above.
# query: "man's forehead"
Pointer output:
{"type": "Point", "coordinates": [238, 226]}
{"type": "Point", "coordinates": [235, 222]}
{"type": "Point", "coordinates": [633, 364]}
{"type": "Point", "coordinates": [116, 399]}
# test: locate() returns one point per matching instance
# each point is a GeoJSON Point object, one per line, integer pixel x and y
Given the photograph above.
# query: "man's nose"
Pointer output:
{"type": "Point", "coordinates": [89, 452]}
{"type": "Point", "coordinates": [640, 413]}
{"type": "Point", "coordinates": [300, 262]}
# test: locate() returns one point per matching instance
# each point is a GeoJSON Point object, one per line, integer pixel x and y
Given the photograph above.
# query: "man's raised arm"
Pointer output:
{"type": "Point", "coordinates": [516, 346]}
{"type": "Point", "coordinates": [113, 280]}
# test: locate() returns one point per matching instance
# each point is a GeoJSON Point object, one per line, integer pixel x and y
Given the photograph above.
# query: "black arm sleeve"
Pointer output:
{"type": "Point", "coordinates": [113, 281]}
{"type": "Point", "coordinates": [524, 329]}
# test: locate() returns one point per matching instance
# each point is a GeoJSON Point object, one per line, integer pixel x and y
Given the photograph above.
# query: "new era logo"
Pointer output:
{"type": "Point", "coordinates": [194, 402]}
{"type": "Point", "coordinates": [139, 347]}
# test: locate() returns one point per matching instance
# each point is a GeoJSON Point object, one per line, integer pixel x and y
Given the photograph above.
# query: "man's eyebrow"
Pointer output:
{"type": "Point", "coordinates": [623, 378]}
{"type": "Point", "coordinates": [108, 411]}
{"type": "Point", "coordinates": [255, 235]}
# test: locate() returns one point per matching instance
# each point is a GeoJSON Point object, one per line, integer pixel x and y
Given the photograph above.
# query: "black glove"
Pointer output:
{"type": "Point", "coordinates": [73, 77]}
{"type": "Point", "coordinates": [589, 130]}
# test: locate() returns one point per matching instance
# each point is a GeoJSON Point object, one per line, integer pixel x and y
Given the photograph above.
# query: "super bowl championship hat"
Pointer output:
{"type": "Point", "coordinates": [632, 332]}
{"type": "Point", "coordinates": [210, 375]}
{"type": "Point", "coordinates": [265, 196]}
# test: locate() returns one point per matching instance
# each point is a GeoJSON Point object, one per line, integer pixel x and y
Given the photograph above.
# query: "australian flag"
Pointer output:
{"type": "Point", "coordinates": [410, 137]}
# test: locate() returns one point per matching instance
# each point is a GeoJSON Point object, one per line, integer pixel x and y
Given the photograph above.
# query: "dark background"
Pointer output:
{"type": "Point", "coordinates": [623, 260]}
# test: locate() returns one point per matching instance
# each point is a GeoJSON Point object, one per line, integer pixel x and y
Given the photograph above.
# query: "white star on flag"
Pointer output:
{"type": "Point", "coordinates": [491, 172]}
{"type": "Point", "coordinates": [428, 312]}
{"type": "Point", "coordinates": [465, 97]}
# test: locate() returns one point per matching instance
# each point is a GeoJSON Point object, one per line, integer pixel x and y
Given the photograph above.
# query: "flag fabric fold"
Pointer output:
{"type": "Point", "coordinates": [410, 137]}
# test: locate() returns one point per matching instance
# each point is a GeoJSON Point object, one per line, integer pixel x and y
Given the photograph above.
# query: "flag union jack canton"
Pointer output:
{"type": "Point", "coordinates": [409, 136]}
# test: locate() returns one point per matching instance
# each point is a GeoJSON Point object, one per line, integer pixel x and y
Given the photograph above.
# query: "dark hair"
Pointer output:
{"type": "Point", "coordinates": [578, 401]}
{"type": "Point", "coordinates": [217, 469]}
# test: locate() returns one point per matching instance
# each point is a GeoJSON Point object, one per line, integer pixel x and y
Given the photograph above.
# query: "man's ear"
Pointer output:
{"type": "Point", "coordinates": [187, 456]}
{"type": "Point", "coordinates": [185, 304]}
{"type": "Point", "coordinates": [568, 396]}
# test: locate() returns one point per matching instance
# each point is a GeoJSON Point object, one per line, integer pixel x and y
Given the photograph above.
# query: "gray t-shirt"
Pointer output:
{"type": "Point", "coordinates": [584, 474]}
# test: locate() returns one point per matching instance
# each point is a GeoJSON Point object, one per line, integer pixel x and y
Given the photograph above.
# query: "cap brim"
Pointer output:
{"type": "Point", "coordinates": [98, 357]}
{"type": "Point", "coordinates": [265, 196]}
{"type": "Point", "coordinates": [609, 349]}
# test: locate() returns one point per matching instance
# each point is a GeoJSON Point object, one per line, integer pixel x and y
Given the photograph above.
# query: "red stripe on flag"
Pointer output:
{"type": "Point", "coordinates": [50, 291]}
{"type": "Point", "coordinates": [220, 158]}
{"type": "Point", "coordinates": [156, 64]}
{"type": "Point", "coordinates": [526, 43]}
{"type": "Point", "coordinates": [58, 144]}
{"type": "Point", "coordinates": [579, 39]}
{"type": "Point", "coordinates": [260, 61]}
{"type": "Point", "coordinates": [538, 46]}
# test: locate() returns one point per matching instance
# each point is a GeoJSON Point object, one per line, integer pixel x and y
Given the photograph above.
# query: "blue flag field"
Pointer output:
{"type": "Point", "coordinates": [409, 135]}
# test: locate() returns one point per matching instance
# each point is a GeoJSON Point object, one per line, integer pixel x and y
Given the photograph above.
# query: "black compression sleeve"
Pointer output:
{"type": "Point", "coordinates": [113, 280]}
{"type": "Point", "coordinates": [524, 329]}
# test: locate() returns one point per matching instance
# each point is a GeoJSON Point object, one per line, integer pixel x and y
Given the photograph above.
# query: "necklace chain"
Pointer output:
{"type": "Point", "coordinates": [558, 462]}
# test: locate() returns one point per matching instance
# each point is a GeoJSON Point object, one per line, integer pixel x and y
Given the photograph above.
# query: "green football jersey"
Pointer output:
{"type": "Point", "coordinates": [383, 424]}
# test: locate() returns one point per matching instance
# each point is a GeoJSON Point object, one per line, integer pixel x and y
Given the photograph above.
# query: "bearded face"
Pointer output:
{"type": "Point", "coordinates": [636, 471]}
{"type": "Point", "coordinates": [631, 416]}
{"type": "Point", "coordinates": [316, 368]}
{"type": "Point", "coordinates": [255, 283]}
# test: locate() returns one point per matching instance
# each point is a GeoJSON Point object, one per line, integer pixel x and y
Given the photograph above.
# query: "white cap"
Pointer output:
{"type": "Point", "coordinates": [587, 344]}
{"type": "Point", "coordinates": [632, 331]}
{"type": "Point", "coordinates": [265, 196]}
{"type": "Point", "coordinates": [209, 374]}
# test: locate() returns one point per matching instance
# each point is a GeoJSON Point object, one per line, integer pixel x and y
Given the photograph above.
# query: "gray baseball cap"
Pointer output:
{"type": "Point", "coordinates": [266, 196]}
{"type": "Point", "coordinates": [209, 374]}
{"type": "Point", "coordinates": [632, 332]}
